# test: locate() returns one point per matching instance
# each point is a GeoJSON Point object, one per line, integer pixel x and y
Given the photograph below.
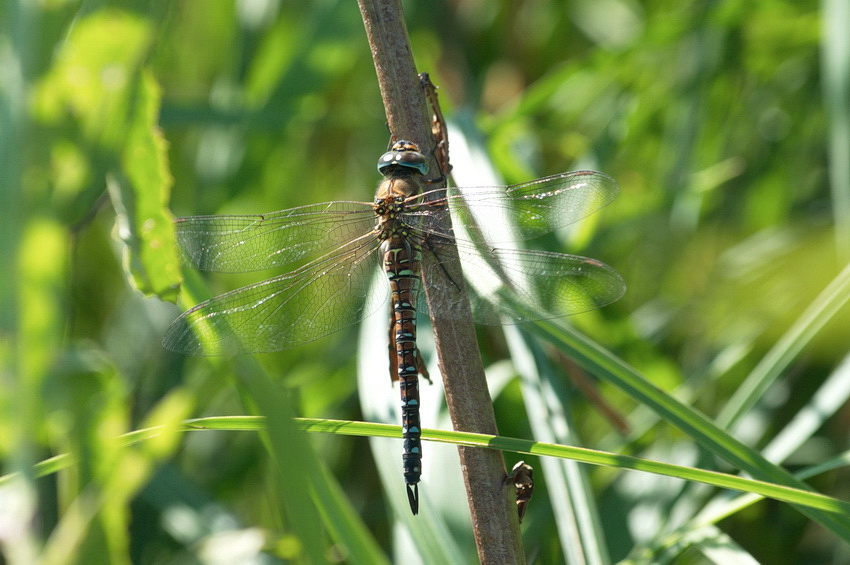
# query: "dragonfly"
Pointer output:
{"type": "Point", "coordinates": [330, 250]}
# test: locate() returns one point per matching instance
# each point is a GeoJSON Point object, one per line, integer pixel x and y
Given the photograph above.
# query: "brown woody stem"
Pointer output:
{"type": "Point", "coordinates": [493, 510]}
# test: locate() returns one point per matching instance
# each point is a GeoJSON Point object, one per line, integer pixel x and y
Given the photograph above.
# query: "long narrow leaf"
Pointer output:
{"type": "Point", "coordinates": [606, 366]}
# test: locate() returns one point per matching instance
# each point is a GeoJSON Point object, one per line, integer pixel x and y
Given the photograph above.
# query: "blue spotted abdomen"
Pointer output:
{"type": "Point", "coordinates": [401, 262]}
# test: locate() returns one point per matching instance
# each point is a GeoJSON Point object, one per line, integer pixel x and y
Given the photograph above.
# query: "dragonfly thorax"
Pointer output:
{"type": "Point", "coordinates": [399, 188]}
{"type": "Point", "coordinates": [388, 210]}
{"type": "Point", "coordinates": [404, 169]}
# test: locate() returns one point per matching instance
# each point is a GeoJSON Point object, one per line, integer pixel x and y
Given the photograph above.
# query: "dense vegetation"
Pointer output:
{"type": "Point", "coordinates": [725, 124]}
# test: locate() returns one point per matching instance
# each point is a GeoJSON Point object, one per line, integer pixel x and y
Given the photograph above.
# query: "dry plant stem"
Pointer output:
{"type": "Point", "coordinates": [492, 506]}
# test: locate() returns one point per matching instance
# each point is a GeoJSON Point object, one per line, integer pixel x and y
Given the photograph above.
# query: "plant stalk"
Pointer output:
{"type": "Point", "coordinates": [491, 504]}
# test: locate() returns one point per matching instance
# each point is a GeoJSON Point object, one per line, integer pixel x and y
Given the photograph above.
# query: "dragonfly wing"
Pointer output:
{"type": "Point", "coordinates": [561, 199]}
{"type": "Point", "coordinates": [238, 244]}
{"type": "Point", "coordinates": [535, 207]}
{"type": "Point", "coordinates": [283, 312]}
{"type": "Point", "coordinates": [513, 286]}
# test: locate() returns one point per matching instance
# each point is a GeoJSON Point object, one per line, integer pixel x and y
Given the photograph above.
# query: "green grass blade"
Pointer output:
{"type": "Point", "coordinates": [835, 66]}
{"type": "Point", "coordinates": [608, 367]}
{"type": "Point", "coordinates": [824, 404]}
{"type": "Point", "coordinates": [754, 488]}
{"type": "Point", "coordinates": [294, 461]}
{"type": "Point", "coordinates": [346, 527]}
{"type": "Point", "coordinates": [768, 489]}
{"type": "Point", "coordinates": [297, 466]}
{"type": "Point", "coordinates": [720, 509]}
{"type": "Point", "coordinates": [786, 349]}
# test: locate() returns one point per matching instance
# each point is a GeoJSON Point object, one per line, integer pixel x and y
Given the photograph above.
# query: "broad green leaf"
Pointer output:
{"type": "Point", "coordinates": [139, 191]}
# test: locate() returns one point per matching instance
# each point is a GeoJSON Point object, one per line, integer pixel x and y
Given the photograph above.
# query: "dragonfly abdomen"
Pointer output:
{"type": "Point", "coordinates": [401, 262]}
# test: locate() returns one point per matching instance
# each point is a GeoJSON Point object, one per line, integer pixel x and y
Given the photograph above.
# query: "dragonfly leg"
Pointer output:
{"type": "Point", "coordinates": [438, 125]}
{"type": "Point", "coordinates": [422, 368]}
{"type": "Point", "coordinates": [392, 349]}
{"type": "Point", "coordinates": [432, 244]}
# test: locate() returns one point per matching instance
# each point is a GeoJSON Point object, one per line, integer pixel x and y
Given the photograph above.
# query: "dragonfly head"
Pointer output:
{"type": "Point", "coordinates": [403, 154]}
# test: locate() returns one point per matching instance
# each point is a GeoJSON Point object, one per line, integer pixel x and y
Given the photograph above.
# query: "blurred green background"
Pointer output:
{"type": "Point", "coordinates": [727, 125]}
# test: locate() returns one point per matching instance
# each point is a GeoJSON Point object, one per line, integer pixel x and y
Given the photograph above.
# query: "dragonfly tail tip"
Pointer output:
{"type": "Point", "coordinates": [413, 498]}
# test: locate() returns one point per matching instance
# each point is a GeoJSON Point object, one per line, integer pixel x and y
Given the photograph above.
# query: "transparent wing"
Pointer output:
{"type": "Point", "coordinates": [306, 304]}
{"type": "Point", "coordinates": [537, 206]}
{"type": "Point", "coordinates": [238, 244]}
{"type": "Point", "coordinates": [325, 294]}
{"type": "Point", "coordinates": [515, 286]}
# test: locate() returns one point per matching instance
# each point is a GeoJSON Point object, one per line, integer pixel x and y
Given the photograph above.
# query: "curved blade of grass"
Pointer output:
{"type": "Point", "coordinates": [718, 510]}
{"type": "Point", "coordinates": [294, 462]}
{"type": "Point", "coordinates": [820, 311]}
{"type": "Point", "coordinates": [831, 395]}
{"type": "Point", "coordinates": [297, 465]}
{"type": "Point", "coordinates": [828, 399]}
{"type": "Point", "coordinates": [767, 489]}
{"type": "Point", "coordinates": [606, 366]}
{"type": "Point", "coordinates": [344, 523]}
{"type": "Point", "coordinates": [523, 446]}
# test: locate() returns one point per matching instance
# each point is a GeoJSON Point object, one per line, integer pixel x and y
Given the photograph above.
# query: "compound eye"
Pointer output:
{"type": "Point", "coordinates": [403, 154]}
